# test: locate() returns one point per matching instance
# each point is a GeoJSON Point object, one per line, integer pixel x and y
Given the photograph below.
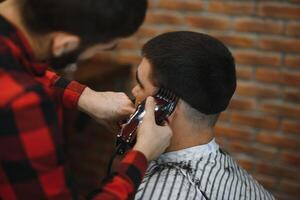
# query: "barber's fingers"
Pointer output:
{"type": "Point", "coordinates": [149, 108]}
{"type": "Point", "coordinates": [127, 105]}
{"type": "Point", "coordinates": [125, 112]}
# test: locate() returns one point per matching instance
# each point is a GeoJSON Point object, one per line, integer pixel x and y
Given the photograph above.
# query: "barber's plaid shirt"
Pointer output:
{"type": "Point", "coordinates": [32, 163]}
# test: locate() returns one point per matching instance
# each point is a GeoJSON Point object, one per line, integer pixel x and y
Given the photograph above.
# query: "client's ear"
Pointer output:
{"type": "Point", "coordinates": [63, 43]}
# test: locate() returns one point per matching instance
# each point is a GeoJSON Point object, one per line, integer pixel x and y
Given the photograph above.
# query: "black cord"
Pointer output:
{"type": "Point", "coordinates": [111, 160]}
{"type": "Point", "coordinates": [92, 194]}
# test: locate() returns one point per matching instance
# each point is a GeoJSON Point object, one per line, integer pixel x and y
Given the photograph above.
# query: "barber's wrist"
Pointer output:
{"type": "Point", "coordinates": [144, 151]}
{"type": "Point", "coordinates": [84, 100]}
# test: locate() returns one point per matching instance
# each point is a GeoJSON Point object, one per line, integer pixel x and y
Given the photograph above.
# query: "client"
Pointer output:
{"type": "Point", "coordinates": [200, 70]}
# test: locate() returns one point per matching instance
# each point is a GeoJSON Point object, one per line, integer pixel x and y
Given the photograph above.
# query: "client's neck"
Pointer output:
{"type": "Point", "coordinates": [186, 135]}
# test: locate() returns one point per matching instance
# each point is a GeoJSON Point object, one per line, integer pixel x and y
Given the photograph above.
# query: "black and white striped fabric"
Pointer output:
{"type": "Point", "coordinates": [202, 172]}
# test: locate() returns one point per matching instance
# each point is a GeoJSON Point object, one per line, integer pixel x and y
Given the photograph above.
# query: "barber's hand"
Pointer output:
{"type": "Point", "coordinates": [107, 108]}
{"type": "Point", "coordinates": [152, 140]}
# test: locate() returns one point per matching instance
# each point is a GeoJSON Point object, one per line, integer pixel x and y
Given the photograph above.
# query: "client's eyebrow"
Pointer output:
{"type": "Point", "coordinates": [138, 80]}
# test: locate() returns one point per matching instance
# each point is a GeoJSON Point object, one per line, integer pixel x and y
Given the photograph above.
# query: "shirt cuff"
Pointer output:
{"type": "Point", "coordinates": [133, 167]}
{"type": "Point", "coordinates": [72, 93]}
{"type": "Point", "coordinates": [68, 91]}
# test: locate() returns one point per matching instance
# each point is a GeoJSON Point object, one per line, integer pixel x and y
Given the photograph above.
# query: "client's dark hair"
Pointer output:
{"type": "Point", "coordinates": [98, 20]}
{"type": "Point", "coordinates": [198, 68]}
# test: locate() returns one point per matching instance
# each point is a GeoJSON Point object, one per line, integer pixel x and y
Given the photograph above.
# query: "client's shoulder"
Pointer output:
{"type": "Point", "coordinates": [165, 181]}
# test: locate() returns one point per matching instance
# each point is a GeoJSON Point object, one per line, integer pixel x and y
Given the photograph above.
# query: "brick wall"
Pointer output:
{"type": "Point", "coordinates": [261, 129]}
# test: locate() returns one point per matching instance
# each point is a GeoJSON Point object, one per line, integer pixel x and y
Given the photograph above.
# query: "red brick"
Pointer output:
{"type": "Point", "coordinates": [255, 121]}
{"type": "Point", "coordinates": [231, 8]}
{"type": "Point", "coordinates": [278, 140]}
{"type": "Point", "coordinates": [291, 126]}
{"type": "Point", "coordinates": [181, 4]}
{"type": "Point", "coordinates": [205, 22]}
{"type": "Point", "coordinates": [147, 32]}
{"type": "Point", "coordinates": [236, 40]}
{"type": "Point", "coordinates": [258, 26]}
{"type": "Point", "coordinates": [225, 116]}
{"type": "Point", "coordinates": [275, 169]}
{"type": "Point", "coordinates": [221, 130]}
{"type": "Point", "coordinates": [162, 18]}
{"type": "Point", "coordinates": [279, 10]}
{"type": "Point", "coordinates": [275, 76]}
{"type": "Point", "coordinates": [267, 181]}
{"type": "Point", "coordinates": [256, 152]}
{"type": "Point", "coordinates": [291, 78]}
{"type": "Point", "coordinates": [293, 29]}
{"type": "Point", "coordinates": [256, 58]}
{"type": "Point", "coordinates": [246, 164]}
{"type": "Point", "coordinates": [292, 61]}
{"type": "Point", "coordinates": [280, 44]}
{"type": "Point", "coordinates": [280, 109]}
{"type": "Point", "coordinates": [292, 95]}
{"type": "Point", "coordinates": [240, 147]}
{"type": "Point", "coordinates": [268, 75]}
{"type": "Point", "coordinates": [253, 89]}
{"type": "Point", "coordinates": [220, 141]}
{"type": "Point", "coordinates": [244, 72]}
{"type": "Point", "coordinates": [292, 159]}
{"type": "Point", "coordinates": [152, 4]}
{"type": "Point", "coordinates": [242, 104]}
{"type": "Point", "coordinates": [290, 187]}
{"type": "Point", "coordinates": [283, 195]}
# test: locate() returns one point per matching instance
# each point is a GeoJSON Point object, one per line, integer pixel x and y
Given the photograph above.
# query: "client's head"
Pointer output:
{"type": "Point", "coordinates": [198, 68]}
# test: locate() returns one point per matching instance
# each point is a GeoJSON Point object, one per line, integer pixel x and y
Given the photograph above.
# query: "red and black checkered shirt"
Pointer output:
{"type": "Point", "coordinates": [32, 163]}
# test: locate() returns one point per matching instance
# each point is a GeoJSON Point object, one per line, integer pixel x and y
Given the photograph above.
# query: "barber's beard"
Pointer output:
{"type": "Point", "coordinates": [63, 61]}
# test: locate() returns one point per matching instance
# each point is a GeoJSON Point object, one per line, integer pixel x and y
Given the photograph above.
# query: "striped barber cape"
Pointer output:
{"type": "Point", "coordinates": [201, 172]}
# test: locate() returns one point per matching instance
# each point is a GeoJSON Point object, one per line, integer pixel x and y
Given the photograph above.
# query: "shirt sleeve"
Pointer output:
{"type": "Point", "coordinates": [31, 149]}
{"type": "Point", "coordinates": [125, 182]}
{"type": "Point", "coordinates": [32, 159]}
{"type": "Point", "coordinates": [67, 91]}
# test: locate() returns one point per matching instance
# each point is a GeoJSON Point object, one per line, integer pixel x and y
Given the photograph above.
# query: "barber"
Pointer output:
{"type": "Point", "coordinates": [36, 35]}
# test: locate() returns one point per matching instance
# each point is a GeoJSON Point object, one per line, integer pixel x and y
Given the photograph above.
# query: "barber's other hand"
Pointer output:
{"type": "Point", "coordinates": [152, 140]}
{"type": "Point", "coordinates": [107, 108]}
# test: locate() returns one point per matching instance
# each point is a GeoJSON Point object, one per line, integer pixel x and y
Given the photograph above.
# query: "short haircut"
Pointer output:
{"type": "Point", "coordinates": [91, 20]}
{"type": "Point", "coordinates": [194, 116]}
{"type": "Point", "coordinates": [197, 67]}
